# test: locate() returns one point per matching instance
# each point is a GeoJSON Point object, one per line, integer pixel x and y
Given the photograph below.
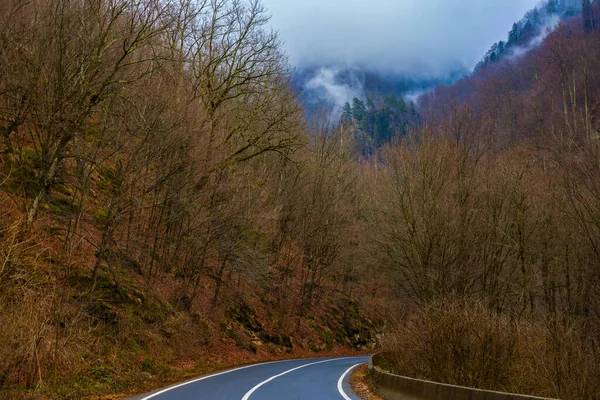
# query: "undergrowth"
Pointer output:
{"type": "Point", "coordinates": [466, 343]}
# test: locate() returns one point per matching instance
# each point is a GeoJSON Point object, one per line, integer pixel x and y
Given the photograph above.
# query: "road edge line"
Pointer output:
{"type": "Point", "coordinates": [340, 384]}
{"type": "Point", "coordinates": [208, 377]}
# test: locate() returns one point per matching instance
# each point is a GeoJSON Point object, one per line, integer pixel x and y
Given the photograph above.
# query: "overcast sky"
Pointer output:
{"type": "Point", "coordinates": [415, 36]}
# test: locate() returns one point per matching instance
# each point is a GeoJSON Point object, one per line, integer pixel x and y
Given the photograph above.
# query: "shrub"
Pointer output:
{"type": "Point", "coordinates": [465, 343]}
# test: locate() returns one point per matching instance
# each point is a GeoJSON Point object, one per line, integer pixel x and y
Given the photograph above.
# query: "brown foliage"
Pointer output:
{"type": "Point", "coordinates": [467, 344]}
{"type": "Point", "coordinates": [156, 177]}
{"type": "Point", "coordinates": [487, 223]}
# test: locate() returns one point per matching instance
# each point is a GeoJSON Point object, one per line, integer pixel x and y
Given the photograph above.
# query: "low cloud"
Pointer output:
{"type": "Point", "coordinates": [519, 51]}
{"type": "Point", "coordinates": [414, 95]}
{"type": "Point", "coordinates": [325, 85]}
{"type": "Point", "coordinates": [426, 38]}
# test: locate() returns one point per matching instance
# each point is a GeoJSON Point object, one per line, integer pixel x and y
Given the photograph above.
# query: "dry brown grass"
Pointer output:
{"type": "Point", "coordinates": [360, 384]}
{"type": "Point", "coordinates": [44, 328]}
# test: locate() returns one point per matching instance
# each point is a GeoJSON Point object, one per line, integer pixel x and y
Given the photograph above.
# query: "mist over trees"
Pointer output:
{"type": "Point", "coordinates": [330, 87]}
{"type": "Point", "coordinates": [529, 31]}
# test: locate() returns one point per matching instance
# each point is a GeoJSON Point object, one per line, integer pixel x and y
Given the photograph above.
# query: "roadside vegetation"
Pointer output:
{"type": "Point", "coordinates": [488, 222]}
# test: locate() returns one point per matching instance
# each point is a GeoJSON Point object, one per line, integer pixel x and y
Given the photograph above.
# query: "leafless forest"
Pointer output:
{"type": "Point", "coordinates": [163, 198]}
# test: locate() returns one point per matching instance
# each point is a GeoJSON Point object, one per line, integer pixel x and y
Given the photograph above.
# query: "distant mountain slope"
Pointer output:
{"type": "Point", "coordinates": [530, 30]}
{"type": "Point", "coordinates": [551, 89]}
{"type": "Point", "coordinates": [374, 107]}
{"type": "Point", "coordinates": [331, 86]}
{"type": "Point", "coordinates": [377, 107]}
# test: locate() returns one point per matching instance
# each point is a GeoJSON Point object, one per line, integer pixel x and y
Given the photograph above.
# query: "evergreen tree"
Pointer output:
{"type": "Point", "coordinates": [359, 111]}
{"type": "Point", "coordinates": [587, 14]}
{"type": "Point", "coordinates": [500, 48]}
{"type": "Point", "coordinates": [535, 17]}
{"type": "Point", "coordinates": [346, 118]}
{"type": "Point", "coordinates": [513, 36]}
{"type": "Point", "coordinates": [552, 7]}
{"type": "Point", "coordinates": [378, 120]}
{"type": "Point", "coordinates": [568, 8]}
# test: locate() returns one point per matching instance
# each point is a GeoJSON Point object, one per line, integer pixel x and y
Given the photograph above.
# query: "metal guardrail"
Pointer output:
{"type": "Point", "coordinates": [396, 387]}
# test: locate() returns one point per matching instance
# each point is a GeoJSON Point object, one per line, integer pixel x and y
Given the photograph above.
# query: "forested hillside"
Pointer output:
{"type": "Point", "coordinates": [379, 106]}
{"type": "Point", "coordinates": [489, 221]}
{"type": "Point", "coordinates": [164, 208]}
{"type": "Point", "coordinates": [386, 116]}
{"type": "Point", "coordinates": [378, 122]}
{"type": "Point", "coordinates": [527, 33]}
{"type": "Point", "coordinates": [168, 209]}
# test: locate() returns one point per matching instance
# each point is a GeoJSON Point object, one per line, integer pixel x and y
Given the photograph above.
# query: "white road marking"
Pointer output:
{"type": "Point", "coordinates": [238, 369]}
{"type": "Point", "coordinates": [341, 382]}
{"type": "Point", "coordinates": [207, 377]}
{"type": "Point", "coordinates": [247, 395]}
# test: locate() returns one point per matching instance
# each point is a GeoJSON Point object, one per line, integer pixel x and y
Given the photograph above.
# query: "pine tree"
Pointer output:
{"type": "Point", "coordinates": [359, 110]}
{"type": "Point", "coordinates": [346, 118]}
{"type": "Point", "coordinates": [500, 48]}
{"type": "Point", "coordinates": [513, 36]}
{"type": "Point", "coordinates": [552, 7]}
{"type": "Point", "coordinates": [587, 14]}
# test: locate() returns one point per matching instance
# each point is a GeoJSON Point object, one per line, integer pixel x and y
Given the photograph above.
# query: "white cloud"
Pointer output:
{"type": "Point", "coordinates": [429, 37]}
{"type": "Point", "coordinates": [326, 86]}
{"type": "Point", "coordinates": [520, 51]}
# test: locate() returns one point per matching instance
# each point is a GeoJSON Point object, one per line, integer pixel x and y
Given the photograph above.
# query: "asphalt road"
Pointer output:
{"type": "Point", "coordinates": [312, 379]}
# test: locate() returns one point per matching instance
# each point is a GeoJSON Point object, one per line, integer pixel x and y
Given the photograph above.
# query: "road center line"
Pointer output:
{"type": "Point", "coordinates": [341, 382]}
{"type": "Point", "coordinates": [247, 395]}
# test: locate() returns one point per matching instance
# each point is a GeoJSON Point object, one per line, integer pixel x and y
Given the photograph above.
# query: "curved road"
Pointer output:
{"type": "Point", "coordinates": [313, 379]}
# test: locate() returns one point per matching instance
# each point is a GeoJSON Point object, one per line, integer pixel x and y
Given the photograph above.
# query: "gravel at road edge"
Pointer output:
{"type": "Point", "coordinates": [358, 380]}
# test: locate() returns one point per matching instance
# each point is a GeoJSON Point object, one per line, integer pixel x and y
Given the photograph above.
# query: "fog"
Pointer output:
{"type": "Point", "coordinates": [324, 86]}
{"type": "Point", "coordinates": [548, 27]}
{"type": "Point", "coordinates": [417, 37]}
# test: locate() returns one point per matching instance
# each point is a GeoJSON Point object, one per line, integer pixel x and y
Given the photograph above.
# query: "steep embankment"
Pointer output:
{"type": "Point", "coordinates": [163, 211]}
{"type": "Point", "coordinates": [67, 334]}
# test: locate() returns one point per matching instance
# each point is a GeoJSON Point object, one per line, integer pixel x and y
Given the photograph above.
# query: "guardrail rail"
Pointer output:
{"type": "Point", "coordinates": [396, 387]}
